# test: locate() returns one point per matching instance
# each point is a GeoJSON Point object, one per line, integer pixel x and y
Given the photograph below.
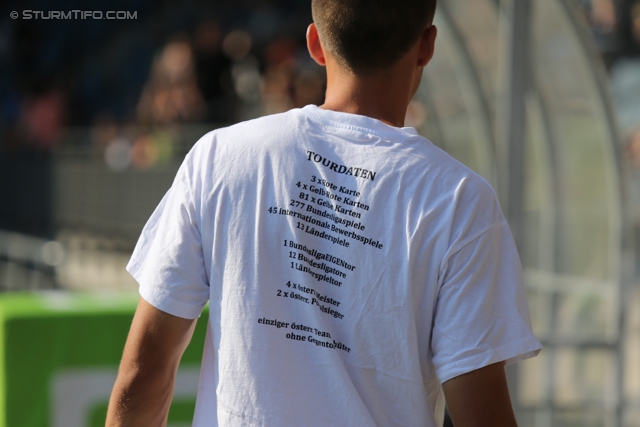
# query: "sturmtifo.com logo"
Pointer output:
{"type": "Point", "coordinates": [74, 14]}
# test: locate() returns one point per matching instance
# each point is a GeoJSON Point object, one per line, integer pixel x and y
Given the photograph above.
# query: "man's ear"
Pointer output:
{"type": "Point", "coordinates": [427, 45]}
{"type": "Point", "coordinates": [315, 47]}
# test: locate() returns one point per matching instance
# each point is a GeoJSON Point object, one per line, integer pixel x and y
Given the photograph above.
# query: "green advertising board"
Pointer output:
{"type": "Point", "coordinates": [60, 354]}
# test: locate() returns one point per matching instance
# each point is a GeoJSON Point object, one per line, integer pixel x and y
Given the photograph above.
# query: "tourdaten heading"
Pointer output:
{"type": "Point", "coordinates": [345, 170]}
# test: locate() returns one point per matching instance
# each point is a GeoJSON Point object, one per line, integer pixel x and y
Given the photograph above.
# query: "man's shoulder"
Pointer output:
{"type": "Point", "coordinates": [274, 127]}
{"type": "Point", "coordinates": [278, 122]}
{"type": "Point", "coordinates": [436, 163]}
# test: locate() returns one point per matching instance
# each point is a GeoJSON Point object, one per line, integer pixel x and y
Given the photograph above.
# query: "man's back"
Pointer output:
{"type": "Point", "coordinates": [325, 239]}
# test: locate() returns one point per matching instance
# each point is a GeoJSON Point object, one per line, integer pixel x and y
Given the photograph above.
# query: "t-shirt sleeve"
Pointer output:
{"type": "Point", "coordinates": [482, 315]}
{"type": "Point", "coordinates": [168, 261]}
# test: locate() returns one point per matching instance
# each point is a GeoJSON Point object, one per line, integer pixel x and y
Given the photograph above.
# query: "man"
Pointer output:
{"type": "Point", "coordinates": [354, 270]}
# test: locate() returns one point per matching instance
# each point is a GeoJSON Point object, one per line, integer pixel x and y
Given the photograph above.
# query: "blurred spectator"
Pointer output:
{"type": "Point", "coordinates": [635, 22]}
{"type": "Point", "coordinates": [277, 82]}
{"type": "Point", "coordinates": [291, 78]}
{"type": "Point", "coordinates": [603, 16]}
{"type": "Point", "coordinates": [42, 118]}
{"type": "Point", "coordinates": [245, 73]}
{"type": "Point", "coordinates": [633, 149]}
{"type": "Point", "coordinates": [630, 27]}
{"type": "Point", "coordinates": [213, 71]}
{"type": "Point", "coordinates": [172, 95]}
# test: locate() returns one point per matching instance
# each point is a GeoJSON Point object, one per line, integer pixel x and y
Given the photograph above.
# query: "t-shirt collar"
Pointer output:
{"type": "Point", "coordinates": [357, 122]}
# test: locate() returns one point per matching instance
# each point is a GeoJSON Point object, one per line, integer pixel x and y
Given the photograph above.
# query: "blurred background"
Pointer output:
{"type": "Point", "coordinates": [100, 101]}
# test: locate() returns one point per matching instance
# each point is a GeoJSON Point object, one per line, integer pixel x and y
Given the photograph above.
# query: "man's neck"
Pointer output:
{"type": "Point", "coordinates": [383, 95]}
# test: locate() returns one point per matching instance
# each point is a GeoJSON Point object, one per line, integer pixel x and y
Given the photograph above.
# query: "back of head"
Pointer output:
{"type": "Point", "coordinates": [369, 35]}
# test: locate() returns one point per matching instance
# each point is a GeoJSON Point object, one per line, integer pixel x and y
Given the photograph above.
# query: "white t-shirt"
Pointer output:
{"type": "Point", "coordinates": [351, 268]}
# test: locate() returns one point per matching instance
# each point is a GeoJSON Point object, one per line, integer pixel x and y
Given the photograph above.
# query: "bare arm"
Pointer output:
{"type": "Point", "coordinates": [480, 398]}
{"type": "Point", "coordinates": [143, 390]}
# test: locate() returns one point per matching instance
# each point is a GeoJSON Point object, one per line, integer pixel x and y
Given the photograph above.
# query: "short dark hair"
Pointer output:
{"type": "Point", "coordinates": [365, 35]}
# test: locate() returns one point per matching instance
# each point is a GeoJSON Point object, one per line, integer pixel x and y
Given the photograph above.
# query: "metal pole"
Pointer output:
{"type": "Point", "coordinates": [511, 123]}
{"type": "Point", "coordinates": [511, 128]}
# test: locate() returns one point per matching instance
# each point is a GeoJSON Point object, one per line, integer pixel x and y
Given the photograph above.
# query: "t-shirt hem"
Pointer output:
{"type": "Point", "coordinates": [510, 353]}
{"type": "Point", "coordinates": [175, 308]}
{"type": "Point", "coordinates": [160, 299]}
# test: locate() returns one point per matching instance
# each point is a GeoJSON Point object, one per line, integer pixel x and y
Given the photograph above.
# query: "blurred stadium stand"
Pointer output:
{"type": "Point", "coordinates": [96, 115]}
